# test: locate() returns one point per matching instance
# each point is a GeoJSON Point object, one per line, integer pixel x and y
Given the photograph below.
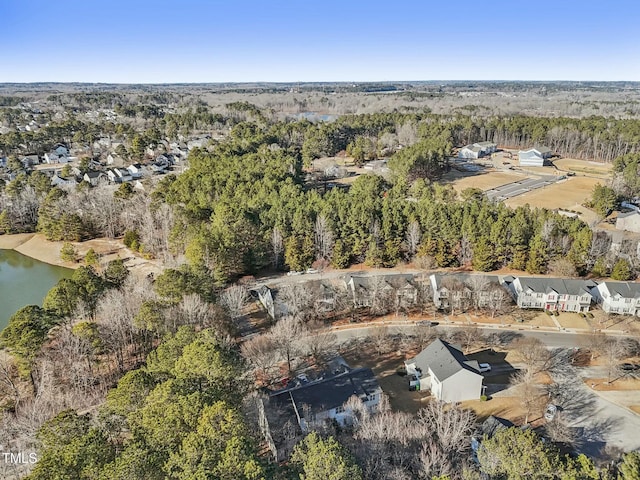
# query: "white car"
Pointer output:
{"type": "Point", "coordinates": [484, 367]}
{"type": "Point", "coordinates": [550, 412]}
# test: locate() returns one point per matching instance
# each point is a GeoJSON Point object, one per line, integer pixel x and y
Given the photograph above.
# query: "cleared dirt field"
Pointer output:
{"type": "Point", "coordinates": [583, 166]}
{"type": "Point", "coordinates": [567, 194]}
{"type": "Point", "coordinates": [482, 180]}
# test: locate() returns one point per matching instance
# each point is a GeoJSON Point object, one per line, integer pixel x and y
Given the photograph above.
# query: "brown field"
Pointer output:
{"type": "Point", "coordinates": [503, 407]}
{"type": "Point", "coordinates": [583, 166]}
{"type": "Point", "coordinates": [483, 181]}
{"type": "Point", "coordinates": [566, 194]}
{"type": "Point", "coordinates": [635, 408]}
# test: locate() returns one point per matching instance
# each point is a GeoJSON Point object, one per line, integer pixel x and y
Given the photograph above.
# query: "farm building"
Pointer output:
{"type": "Point", "coordinates": [477, 150]}
{"type": "Point", "coordinates": [534, 157]}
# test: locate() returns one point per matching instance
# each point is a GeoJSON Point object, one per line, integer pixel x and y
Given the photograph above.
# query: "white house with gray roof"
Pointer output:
{"type": "Point", "coordinates": [444, 369]}
{"type": "Point", "coordinates": [534, 157]}
{"type": "Point", "coordinates": [619, 297]}
{"type": "Point", "coordinates": [564, 295]}
{"type": "Point", "coordinates": [477, 150]}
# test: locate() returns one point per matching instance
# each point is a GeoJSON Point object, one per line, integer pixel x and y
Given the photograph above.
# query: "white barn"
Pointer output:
{"type": "Point", "coordinates": [534, 157]}
{"type": "Point", "coordinates": [477, 150]}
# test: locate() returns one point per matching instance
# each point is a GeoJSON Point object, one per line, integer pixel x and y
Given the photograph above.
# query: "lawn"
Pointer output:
{"type": "Point", "coordinates": [572, 320]}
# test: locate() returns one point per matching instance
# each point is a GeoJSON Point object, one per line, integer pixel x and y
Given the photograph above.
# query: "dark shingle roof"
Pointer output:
{"type": "Point", "coordinates": [624, 289]}
{"type": "Point", "coordinates": [330, 392]}
{"type": "Point", "coordinates": [559, 285]}
{"type": "Point", "coordinates": [444, 360]}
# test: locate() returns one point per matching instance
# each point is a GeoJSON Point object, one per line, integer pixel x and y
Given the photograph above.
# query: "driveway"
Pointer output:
{"type": "Point", "coordinates": [597, 422]}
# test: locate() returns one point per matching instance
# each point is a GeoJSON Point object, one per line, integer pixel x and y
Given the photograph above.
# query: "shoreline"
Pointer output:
{"type": "Point", "coordinates": [36, 246]}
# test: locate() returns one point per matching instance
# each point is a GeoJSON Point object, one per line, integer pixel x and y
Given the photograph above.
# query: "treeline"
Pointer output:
{"type": "Point", "coordinates": [245, 206]}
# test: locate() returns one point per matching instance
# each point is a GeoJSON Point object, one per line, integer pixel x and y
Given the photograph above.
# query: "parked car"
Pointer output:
{"type": "Point", "coordinates": [550, 412]}
{"type": "Point", "coordinates": [484, 367]}
{"type": "Point", "coordinates": [629, 367]}
{"type": "Point", "coordinates": [427, 323]}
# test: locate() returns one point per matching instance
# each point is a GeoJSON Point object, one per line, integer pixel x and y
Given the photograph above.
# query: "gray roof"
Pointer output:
{"type": "Point", "coordinates": [543, 149]}
{"type": "Point", "coordinates": [559, 285]}
{"type": "Point", "coordinates": [624, 289]}
{"type": "Point", "coordinates": [466, 278]}
{"type": "Point", "coordinates": [444, 359]}
{"type": "Point", "coordinates": [628, 214]}
{"type": "Point", "coordinates": [331, 392]}
{"type": "Point", "coordinates": [396, 281]}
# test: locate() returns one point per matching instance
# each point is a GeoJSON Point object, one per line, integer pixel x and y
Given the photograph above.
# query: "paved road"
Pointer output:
{"type": "Point", "coordinates": [550, 339]}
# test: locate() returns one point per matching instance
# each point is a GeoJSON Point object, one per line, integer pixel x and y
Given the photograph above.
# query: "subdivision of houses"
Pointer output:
{"type": "Point", "coordinates": [443, 369]}
{"type": "Point", "coordinates": [553, 294]}
{"type": "Point", "coordinates": [399, 289]}
{"type": "Point", "coordinates": [477, 150]}
{"type": "Point", "coordinates": [534, 157]}
{"type": "Point", "coordinates": [619, 297]}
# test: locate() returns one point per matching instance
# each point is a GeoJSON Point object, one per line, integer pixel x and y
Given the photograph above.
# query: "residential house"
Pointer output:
{"type": "Point", "coordinates": [93, 178]}
{"type": "Point", "coordinates": [313, 403]}
{"type": "Point", "coordinates": [619, 297]}
{"type": "Point", "coordinates": [461, 291]}
{"type": "Point", "coordinates": [629, 222]}
{"type": "Point", "coordinates": [565, 295]}
{"type": "Point", "coordinates": [28, 161]}
{"type": "Point", "coordinates": [138, 170]}
{"type": "Point", "coordinates": [268, 297]}
{"type": "Point", "coordinates": [119, 175]}
{"type": "Point", "coordinates": [400, 290]}
{"type": "Point", "coordinates": [477, 150]}
{"type": "Point", "coordinates": [58, 181]}
{"type": "Point", "coordinates": [534, 157]}
{"type": "Point", "coordinates": [447, 372]}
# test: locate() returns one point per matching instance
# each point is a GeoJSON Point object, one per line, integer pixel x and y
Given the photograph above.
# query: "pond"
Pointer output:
{"type": "Point", "coordinates": [24, 281]}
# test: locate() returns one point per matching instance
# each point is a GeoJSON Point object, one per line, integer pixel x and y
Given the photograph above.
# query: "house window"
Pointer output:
{"type": "Point", "coordinates": [340, 409]}
{"type": "Point", "coordinates": [371, 398]}
{"type": "Point", "coordinates": [539, 295]}
{"type": "Point", "coordinates": [627, 300]}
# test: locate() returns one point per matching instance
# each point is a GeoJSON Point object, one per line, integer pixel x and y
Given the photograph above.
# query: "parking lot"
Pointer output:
{"type": "Point", "coordinates": [514, 189]}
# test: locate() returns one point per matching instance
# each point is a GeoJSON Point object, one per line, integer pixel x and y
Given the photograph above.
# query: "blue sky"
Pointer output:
{"type": "Point", "coordinates": [326, 40]}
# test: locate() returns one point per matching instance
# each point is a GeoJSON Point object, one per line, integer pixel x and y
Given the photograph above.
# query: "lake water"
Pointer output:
{"type": "Point", "coordinates": [24, 281]}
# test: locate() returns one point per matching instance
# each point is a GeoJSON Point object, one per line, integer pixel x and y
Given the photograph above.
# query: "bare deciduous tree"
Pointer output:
{"type": "Point", "coordinates": [234, 299]}
{"type": "Point", "coordinates": [533, 353]}
{"type": "Point", "coordinates": [413, 237]}
{"type": "Point", "coordinates": [319, 343]}
{"type": "Point", "coordinates": [300, 299]}
{"type": "Point", "coordinates": [286, 335]}
{"type": "Point", "coordinates": [529, 393]}
{"type": "Point", "coordinates": [323, 238]}
{"type": "Point", "coordinates": [261, 352]}
{"type": "Point", "coordinates": [497, 301]}
{"type": "Point", "coordinates": [380, 338]}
